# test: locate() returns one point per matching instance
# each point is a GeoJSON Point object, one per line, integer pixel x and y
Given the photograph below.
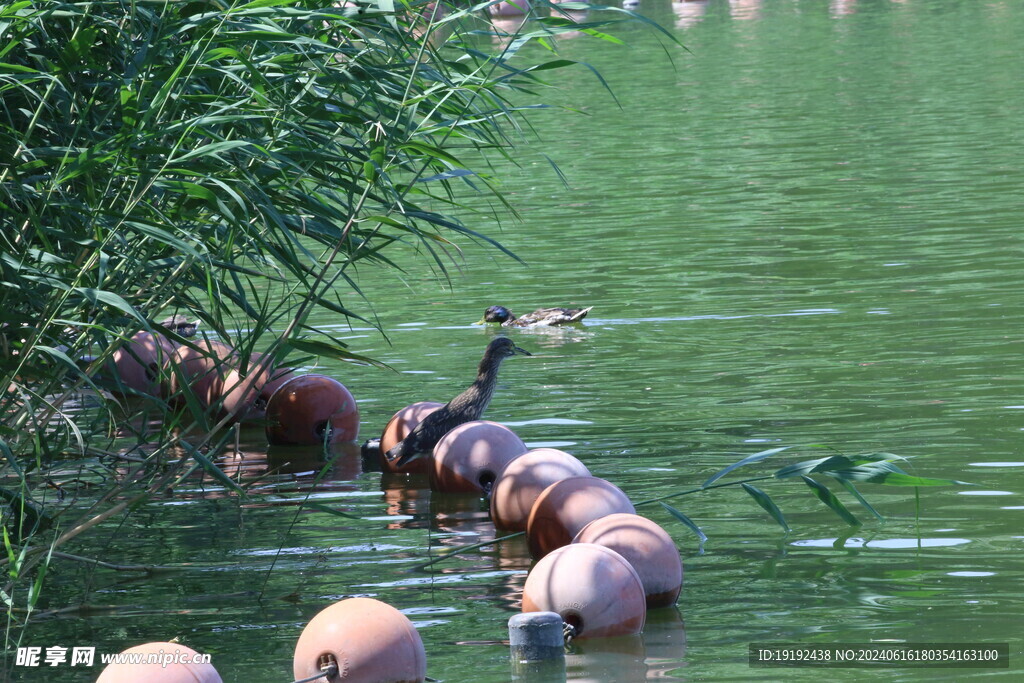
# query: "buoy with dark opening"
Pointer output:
{"type": "Point", "coordinates": [366, 639]}
{"type": "Point", "coordinates": [469, 458]}
{"type": "Point", "coordinates": [312, 409]}
{"type": "Point", "coordinates": [139, 363]}
{"type": "Point", "coordinates": [593, 588]}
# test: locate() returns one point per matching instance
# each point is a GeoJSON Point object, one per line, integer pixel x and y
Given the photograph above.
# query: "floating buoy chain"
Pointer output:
{"type": "Point", "coordinates": [328, 668]}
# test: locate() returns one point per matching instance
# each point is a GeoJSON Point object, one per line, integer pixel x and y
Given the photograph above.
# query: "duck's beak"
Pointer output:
{"type": "Point", "coordinates": [397, 460]}
{"type": "Point", "coordinates": [521, 352]}
{"type": "Point", "coordinates": [405, 459]}
{"type": "Point", "coordinates": [481, 321]}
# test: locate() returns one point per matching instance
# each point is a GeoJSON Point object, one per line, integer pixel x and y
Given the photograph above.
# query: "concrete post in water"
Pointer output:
{"type": "Point", "coordinates": [538, 647]}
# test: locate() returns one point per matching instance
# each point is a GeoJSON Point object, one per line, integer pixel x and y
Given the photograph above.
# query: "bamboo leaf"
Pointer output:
{"type": "Point", "coordinates": [322, 348]}
{"type": "Point", "coordinates": [828, 498]}
{"type": "Point", "coordinates": [890, 475]}
{"type": "Point", "coordinates": [100, 296]}
{"type": "Point", "coordinates": [210, 468]}
{"type": "Point", "coordinates": [811, 466]}
{"type": "Point", "coordinates": [768, 504]}
{"type": "Point", "coordinates": [846, 484]}
{"type": "Point", "coordinates": [756, 457]}
{"type": "Point", "coordinates": [687, 521]}
{"type": "Point", "coordinates": [454, 173]}
{"type": "Point", "coordinates": [212, 149]}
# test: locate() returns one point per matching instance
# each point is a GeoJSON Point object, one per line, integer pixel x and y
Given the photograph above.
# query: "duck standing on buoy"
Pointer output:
{"type": "Point", "coordinates": [542, 317]}
{"type": "Point", "coordinates": [466, 407]}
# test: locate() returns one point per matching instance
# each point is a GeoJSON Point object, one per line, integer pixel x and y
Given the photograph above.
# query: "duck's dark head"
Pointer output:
{"type": "Point", "coordinates": [496, 314]}
{"type": "Point", "coordinates": [180, 325]}
{"type": "Point", "coordinates": [502, 347]}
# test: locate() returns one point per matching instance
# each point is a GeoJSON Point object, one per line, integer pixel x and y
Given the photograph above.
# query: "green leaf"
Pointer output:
{"type": "Point", "coordinates": [322, 348]}
{"type": "Point", "coordinates": [12, 557]}
{"type": "Point", "coordinates": [553, 64]}
{"type": "Point", "coordinates": [816, 465]}
{"type": "Point", "coordinates": [257, 4]}
{"type": "Point", "coordinates": [9, 458]}
{"type": "Point", "coordinates": [685, 520]}
{"type": "Point", "coordinates": [860, 499]}
{"type": "Point", "coordinates": [891, 475]}
{"type": "Point", "coordinates": [833, 463]}
{"type": "Point", "coordinates": [829, 499]}
{"type": "Point", "coordinates": [454, 173]}
{"type": "Point", "coordinates": [214, 471]}
{"type": "Point", "coordinates": [369, 171]}
{"type": "Point", "coordinates": [101, 296]}
{"type": "Point", "coordinates": [4, 66]}
{"type": "Point", "coordinates": [190, 189]}
{"type": "Point", "coordinates": [756, 457]}
{"type": "Point", "coordinates": [768, 504]}
{"type": "Point", "coordinates": [213, 149]}
{"type": "Point", "coordinates": [162, 236]}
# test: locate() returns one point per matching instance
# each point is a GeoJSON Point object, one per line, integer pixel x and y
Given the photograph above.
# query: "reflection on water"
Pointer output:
{"type": "Point", "coordinates": [885, 543]}
{"type": "Point", "coordinates": [745, 9]}
{"type": "Point", "coordinates": [689, 12]}
{"type": "Point", "coordinates": [655, 654]}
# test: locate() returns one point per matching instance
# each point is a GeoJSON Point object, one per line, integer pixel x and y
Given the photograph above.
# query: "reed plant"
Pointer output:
{"type": "Point", "coordinates": [234, 162]}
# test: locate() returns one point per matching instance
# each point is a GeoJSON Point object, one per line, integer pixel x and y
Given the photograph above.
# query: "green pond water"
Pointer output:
{"type": "Point", "coordinates": [804, 230]}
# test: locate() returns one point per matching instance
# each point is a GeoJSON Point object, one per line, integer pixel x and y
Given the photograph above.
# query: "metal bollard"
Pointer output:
{"type": "Point", "coordinates": [538, 647]}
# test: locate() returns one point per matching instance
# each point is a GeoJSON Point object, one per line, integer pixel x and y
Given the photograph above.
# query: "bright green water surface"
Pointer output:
{"type": "Point", "coordinates": [805, 232]}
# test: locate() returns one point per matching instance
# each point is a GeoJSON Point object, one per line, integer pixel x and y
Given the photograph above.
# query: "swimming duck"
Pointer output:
{"type": "Point", "coordinates": [542, 317]}
{"type": "Point", "coordinates": [466, 407]}
{"type": "Point", "coordinates": [181, 325]}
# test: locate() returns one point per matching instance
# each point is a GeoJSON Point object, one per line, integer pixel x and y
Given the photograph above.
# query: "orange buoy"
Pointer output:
{"type": "Point", "coordinates": [201, 371]}
{"type": "Point", "coordinates": [521, 482]}
{"type": "Point", "coordinates": [565, 507]}
{"type": "Point", "coordinates": [161, 663]}
{"type": "Point", "coordinates": [312, 409]}
{"type": "Point", "coordinates": [398, 427]}
{"type": "Point", "coordinates": [592, 587]}
{"type": "Point", "coordinates": [470, 457]}
{"type": "Point", "coordinates": [139, 362]}
{"type": "Point", "coordinates": [647, 547]}
{"type": "Point", "coordinates": [275, 381]}
{"type": "Point", "coordinates": [246, 394]}
{"type": "Point", "coordinates": [367, 639]}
